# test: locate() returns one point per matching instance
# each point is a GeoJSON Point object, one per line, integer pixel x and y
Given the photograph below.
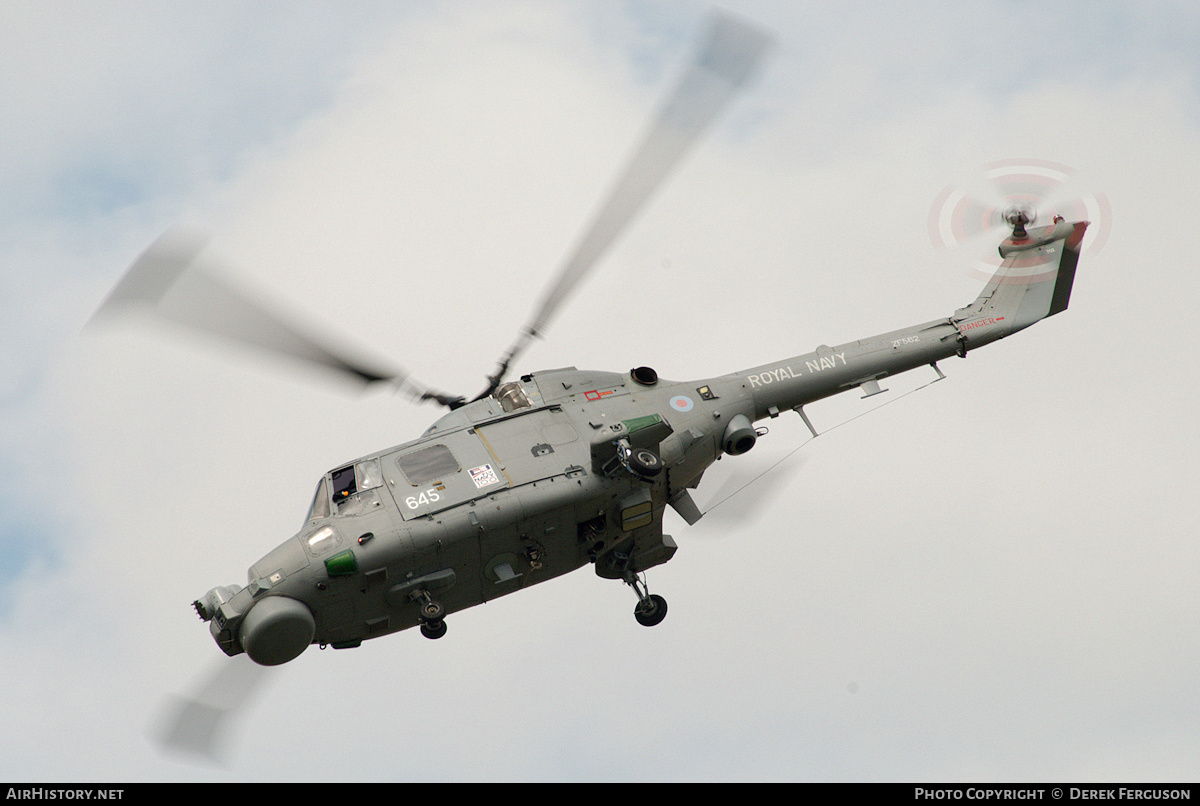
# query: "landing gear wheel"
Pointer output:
{"type": "Point", "coordinates": [433, 629]}
{"type": "Point", "coordinates": [651, 610]}
{"type": "Point", "coordinates": [645, 462]}
{"type": "Point", "coordinates": [432, 611]}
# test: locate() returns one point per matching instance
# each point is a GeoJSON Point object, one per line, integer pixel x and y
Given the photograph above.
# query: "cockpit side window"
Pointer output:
{"type": "Point", "coordinates": [354, 487]}
{"type": "Point", "coordinates": [368, 474]}
{"type": "Point", "coordinates": [344, 484]}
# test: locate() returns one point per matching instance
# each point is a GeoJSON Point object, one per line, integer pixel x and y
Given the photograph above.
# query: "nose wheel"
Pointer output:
{"type": "Point", "coordinates": [651, 608]}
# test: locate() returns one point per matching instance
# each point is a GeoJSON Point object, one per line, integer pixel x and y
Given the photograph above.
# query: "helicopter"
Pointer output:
{"type": "Point", "coordinates": [559, 469]}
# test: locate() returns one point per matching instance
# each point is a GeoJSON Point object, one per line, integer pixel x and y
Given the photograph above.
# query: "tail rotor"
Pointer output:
{"type": "Point", "coordinates": [971, 218]}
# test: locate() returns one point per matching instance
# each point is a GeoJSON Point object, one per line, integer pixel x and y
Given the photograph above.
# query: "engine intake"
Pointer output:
{"type": "Point", "coordinates": [740, 436]}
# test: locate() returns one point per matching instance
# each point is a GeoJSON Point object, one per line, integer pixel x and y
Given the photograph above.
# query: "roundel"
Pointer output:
{"type": "Point", "coordinates": [682, 403]}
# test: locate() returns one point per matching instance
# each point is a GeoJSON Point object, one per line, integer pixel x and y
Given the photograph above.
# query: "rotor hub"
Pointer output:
{"type": "Point", "coordinates": [1018, 217]}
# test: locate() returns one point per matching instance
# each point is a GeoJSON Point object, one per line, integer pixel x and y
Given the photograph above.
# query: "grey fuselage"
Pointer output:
{"type": "Point", "coordinates": [528, 484]}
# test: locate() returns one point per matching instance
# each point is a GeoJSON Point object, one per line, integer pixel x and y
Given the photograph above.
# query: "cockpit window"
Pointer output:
{"type": "Point", "coordinates": [367, 474]}
{"type": "Point", "coordinates": [363, 496]}
{"type": "Point", "coordinates": [428, 464]}
{"type": "Point", "coordinates": [352, 487]}
{"type": "Point", "coordinates": [353, 479]}
{"type": "Point", "coordinates": [320, 504]}
{"type": "Point", "coordinates": [344, 484]}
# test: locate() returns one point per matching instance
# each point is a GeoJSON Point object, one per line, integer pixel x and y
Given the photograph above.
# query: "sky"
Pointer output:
{"type": "Point", "coordinates": [991, 578]}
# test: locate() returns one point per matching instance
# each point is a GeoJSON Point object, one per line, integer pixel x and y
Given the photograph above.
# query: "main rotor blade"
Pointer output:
{"type": "Point", "coordinates": [176, 281]}
{"type": "Point", "coordinates": [200, 725]}
{"type": "Point", "coordinates": [729, 56]}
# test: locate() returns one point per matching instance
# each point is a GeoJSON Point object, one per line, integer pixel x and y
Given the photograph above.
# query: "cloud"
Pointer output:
{"type": "Point", "coordinates": [981, 580]}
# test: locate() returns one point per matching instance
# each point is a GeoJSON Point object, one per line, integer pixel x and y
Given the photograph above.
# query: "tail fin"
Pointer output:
{"type": "Point", "coordinates": [1033, 282]}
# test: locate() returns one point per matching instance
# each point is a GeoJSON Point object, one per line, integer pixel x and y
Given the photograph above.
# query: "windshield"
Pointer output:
{"type": "Point", "coordinates": [320, 504]}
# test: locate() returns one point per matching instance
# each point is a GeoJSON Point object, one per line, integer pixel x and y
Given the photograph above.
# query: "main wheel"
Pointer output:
{"type": "Point", "coordinates": [645, 462]}
{"type": "Point", "coordinates": [651, 610]}
{"type": "Point", "coordinates": [432, 611]}
{"type": "Point", "coordinates": [433, 629]}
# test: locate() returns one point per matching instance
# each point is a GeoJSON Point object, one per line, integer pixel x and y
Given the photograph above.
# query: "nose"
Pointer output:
{"type": "Point", "coordinates": [276, 630]}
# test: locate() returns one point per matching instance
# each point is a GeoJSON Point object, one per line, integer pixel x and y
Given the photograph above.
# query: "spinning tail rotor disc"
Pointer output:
{"type": "Point", "coordinates": [974, 218]}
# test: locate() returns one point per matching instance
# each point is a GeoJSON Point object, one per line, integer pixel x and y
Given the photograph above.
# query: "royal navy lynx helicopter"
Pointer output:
{"type": "Point", "coordinates": [559, 469]}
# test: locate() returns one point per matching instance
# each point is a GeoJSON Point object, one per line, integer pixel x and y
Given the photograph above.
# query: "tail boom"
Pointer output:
{"type": "Point", "coordinates": [1033, 282]}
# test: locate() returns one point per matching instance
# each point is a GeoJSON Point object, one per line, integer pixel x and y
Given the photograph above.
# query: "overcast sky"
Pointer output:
{"type": "Point", "coordinates": [991, 578]}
